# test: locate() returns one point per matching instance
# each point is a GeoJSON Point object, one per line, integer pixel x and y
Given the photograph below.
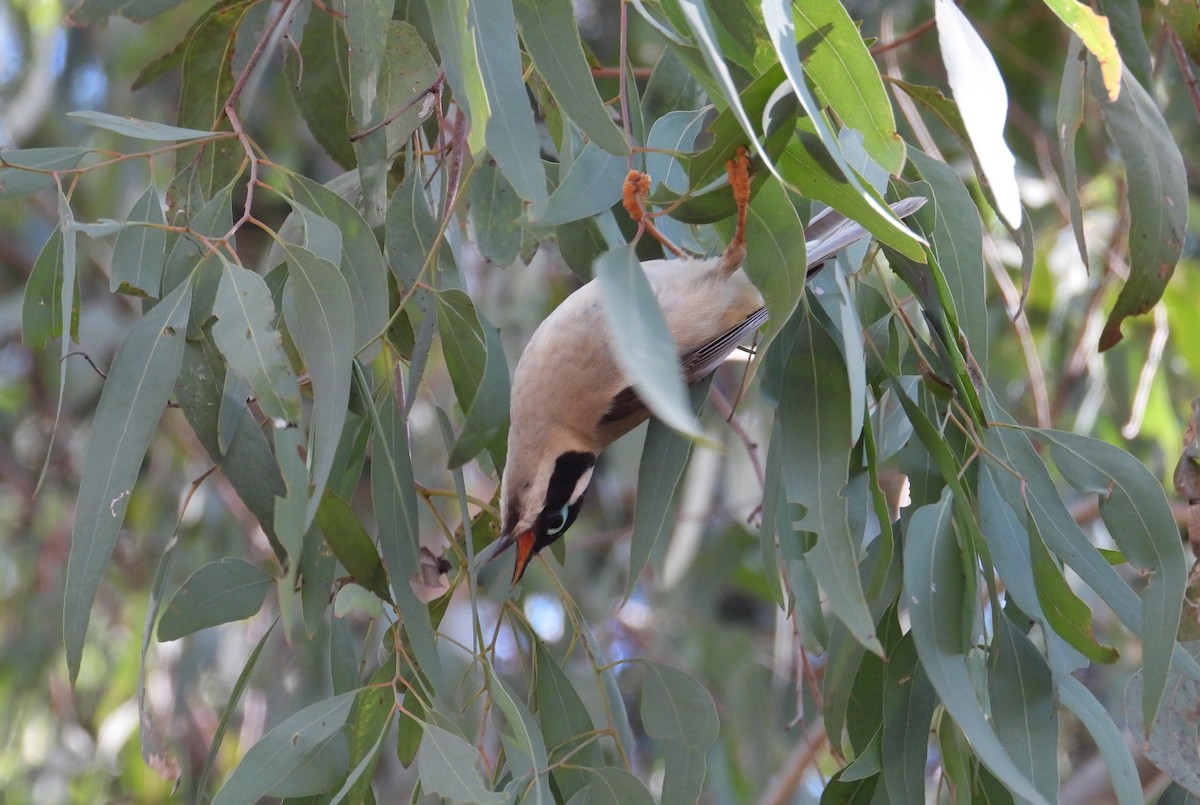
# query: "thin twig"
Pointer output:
{"type": "Point", "coordinates": [726, 410]}
{"type": "Point", "coordinates": [623, 90]}
{"type": "Point", "coordinates": [1162, 329]}
{"type": "Point", "coordinates": [255, 56]}
{"type": "Point", "coordinates": [1185, 67]}
{"type": "Point", "coordinates": [420, 96]}
{"type": "Point", "coordinates": [884, 47]}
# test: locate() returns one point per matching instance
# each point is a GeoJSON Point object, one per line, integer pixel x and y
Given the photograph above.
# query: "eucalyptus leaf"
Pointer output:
{"type": "Point", "coordinates": [935, 588]}
{"type": "Point", "coordinates": [131, 403]}
{"type": "Point", "coordinates": [982, 99]}
{"type": "Point", "coordinates": [219, 592]}
{"type": "Point", "coordinates": [320, 316]}
{"type": "Point", "coordinates": [449, 768]}
{"type": "Point", "coordinates": [141, 129]}
{"type": "Point", "coordinates": [283, 759]}
{"type": "Point", "coordinates": [551, 36]}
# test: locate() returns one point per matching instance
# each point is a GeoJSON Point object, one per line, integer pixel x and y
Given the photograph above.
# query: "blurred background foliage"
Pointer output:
{"type": "Point", "coordinates": [703, 605]}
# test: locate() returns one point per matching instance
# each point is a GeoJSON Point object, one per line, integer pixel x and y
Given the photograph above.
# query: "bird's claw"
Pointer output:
{"type": "Point", "coordinates": [634, 192]}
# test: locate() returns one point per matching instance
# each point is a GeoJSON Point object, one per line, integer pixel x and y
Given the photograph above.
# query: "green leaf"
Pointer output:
{"type": "Point", "coordinates": [935, 589]}
{"type": "Point", "coordinates": [566, 725]}
{"type": "Point", "coordinates": [495, 214]}
{"type": "Point", "coordinates": [665, 456]}
{"type": "Point", "coordinates": [1107, 737]}
{"type": "Point", "coordinates": [351, 544]}
{"type": "Point", "coordinates": [366, 29]}
{"type": "Point", "coordinates": [405, 76]}
{"type": "Point", "coordinates": [320, 317]}
{"type": "Point", "coordinates": [1064, 611]}
{"type": "Point", "coordinates": [642, 344]}
{"type": "Point", "coordinates": [1158, 195]}
{"type": "Point", "coordinates": [1068, 120]}
{"type": "Point", "coordinates": [449, 768]}
{"type": "Point", "coordinates": [613, 786]}
{"type": "Point", "coordinates": [317, 75]}
{"type": "Point", "coordinates": [591, 186]}
{"type": "Point", "coordinates": [479, 372]}
{"type": "Point", "coordinates": [141, 129]}
{"type": "Point", "coordinates": [876, 216]}
{"type": "Point", "coordinates": [370, 722]}
{"type": "Point", "coordinates": [675, 707]}
{"type": "Point", "coordinates": [41, 308]}
{"type": "Point", "coordinates": [524, 747]}
{"type": "Point", "coordinates": [1023, 706]}
{"type": "Point", "coordinates": [246, 461]}
{"type": "Point", "coordinates": [982, 99]}
{"type": "Point", "coordinates": [957, 240]}
{"type": "Point", "coordinates": [27, 170]}
{"type": "Point", "coordinates": [1135, 510]}
{"type": "Point", "coordinates": [775, 256]}
{"type": "Point", "coordinates": [908, 707]}
{"type": "Point", "coordinates": [672, 136]}
{"type": "Point", "coordinates": [131, 403]}
{"type": "Point", "coordinates": [246, 335]}
{"type": "Point", "coordinates": [678, 710]}
{"type": "Point", "coordinates": [551, 37]}
{"type": "Point", "coordinates": [1093, 31]}
{"type": "Point", "coordinates": [219, 592]}
{"type": "Point", "coordinates": [837, 60]}
{"type": "Point", "coordinates": [394, 497]}
{"type": "Point", "coordinates": [359, 258]}
{"type": "Point", "coordinates": [510, 134]}
{"type": "Point", "coordinates": [816, 427]}
{"type": "Point", "coordinates": [206, 84]}
{"type": "Point", "coordinates": [802, 169]}
{"type": "Point", "coordinates": [140, 253]}
{"type": "Point", "coordinates": [284, 758]}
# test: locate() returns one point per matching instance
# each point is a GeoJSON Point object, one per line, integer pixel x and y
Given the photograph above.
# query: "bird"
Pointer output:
{"type": "Point", "coordinates": [570, 400]}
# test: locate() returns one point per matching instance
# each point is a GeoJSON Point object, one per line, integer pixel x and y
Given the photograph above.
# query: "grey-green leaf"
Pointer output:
{"type": "Point", "coordinates": [1117, 759]}
{"type": "Point", "coordinates": [591, 186]}
{"type": "Point", "coordinates": [142, 129]}
{"type": "Point", "coordinates": [219, 592]}
{"type": "Point", "coordinates": [1158, 193]}
{"type": "Point", "coordinates": [320, 317]}
{"type": "Point", "coordinates": [134, 397]}
{"type": "Point", "coordinates": [1135, 510]}
{"type": "Point", "coordinates": [495, 210]}
{"type": "Point", "coordinates": [935, 587]}
{"type": "Point", "coordinates": [140, 253]}
{"type": "Point", "coordinates": [360, 260]}
{"type": "Point", "coordinates": [282, 759]}
{"type": "Point", "coordinates": [642, 344]}
{"type": "Point", "coordinates": [551, 37]}
{"type": "Point", "coordinates": [510, 134]}
{"type": "Point", "coordinates": [449, 768]}
{"type": "Point", "coordinates": [817, 424]}
{"type": "Point", "coordinates": [246, 335]}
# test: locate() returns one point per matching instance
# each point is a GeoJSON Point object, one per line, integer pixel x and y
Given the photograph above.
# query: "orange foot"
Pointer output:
{"type": "Point", "coordinates": [738, 170]}
{"type": "Point", "coordinates": [637, 187]}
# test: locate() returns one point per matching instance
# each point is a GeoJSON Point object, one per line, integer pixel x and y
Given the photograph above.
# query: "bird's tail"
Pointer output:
{"type": "Point", "coordinates": [829, 231]}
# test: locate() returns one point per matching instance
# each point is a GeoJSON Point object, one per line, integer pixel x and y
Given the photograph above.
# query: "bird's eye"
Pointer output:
{"type": "Point", "coordinates": [556, 522]}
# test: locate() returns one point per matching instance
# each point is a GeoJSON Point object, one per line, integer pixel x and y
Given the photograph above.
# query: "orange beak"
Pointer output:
{"type": "Point", "coordinates": [524, 542]}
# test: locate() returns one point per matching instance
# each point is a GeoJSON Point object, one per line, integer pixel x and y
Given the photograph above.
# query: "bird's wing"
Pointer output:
{"type": "Point", "coordinates": [697, 364]}
{"type": "Point", "coordinates": [828, 233]}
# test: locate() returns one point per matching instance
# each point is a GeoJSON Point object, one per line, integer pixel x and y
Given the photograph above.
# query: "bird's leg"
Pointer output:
{"type": "Point", "coordinates": [637, 187]}
{"type": "Point", "coordinates": [738, 170]}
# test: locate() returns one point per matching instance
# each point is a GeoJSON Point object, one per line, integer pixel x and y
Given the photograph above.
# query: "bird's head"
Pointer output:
{"type": "Point", "coordinates": [540, 496]}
